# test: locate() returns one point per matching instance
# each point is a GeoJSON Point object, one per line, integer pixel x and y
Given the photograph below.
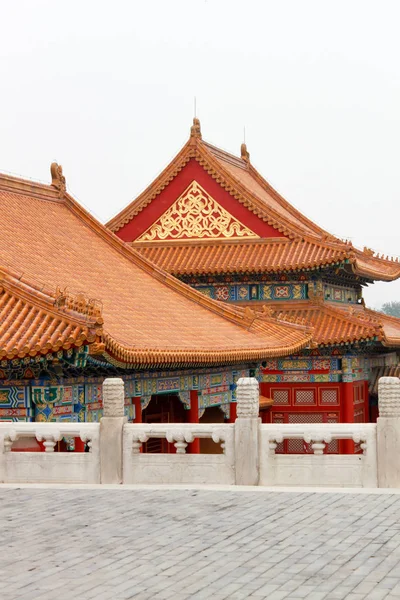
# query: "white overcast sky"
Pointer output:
{"type": "Point", "coordinates": [106, 88]}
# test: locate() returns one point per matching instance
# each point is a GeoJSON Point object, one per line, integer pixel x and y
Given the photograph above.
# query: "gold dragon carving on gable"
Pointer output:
{"type": "Point", "coordinates": [196, 215]}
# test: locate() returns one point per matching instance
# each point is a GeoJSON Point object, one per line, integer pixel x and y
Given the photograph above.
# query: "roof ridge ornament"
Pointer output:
{"type": "Point", "coordinates": [244, 154]}
{"type": "Point", "coordinates": [90, 307]}
{"type": "Point", "coordinates": [368, 251]}
{"type": "Point", "coordinates": [57, 178]}
{"type": "Point", "coordinates": [195, 130]}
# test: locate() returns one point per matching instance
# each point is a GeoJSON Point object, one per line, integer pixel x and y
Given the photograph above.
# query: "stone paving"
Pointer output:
{"type": "Point", "coordinates": [85, 544]}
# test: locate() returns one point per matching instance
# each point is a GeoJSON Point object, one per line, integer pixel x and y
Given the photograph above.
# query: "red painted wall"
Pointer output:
{"type": "Point", "coordinates": [314, 389]}
{"type": "Point", "coordinates": [351, 405]}
{"type": "Point", "coordinates": [193, 171]}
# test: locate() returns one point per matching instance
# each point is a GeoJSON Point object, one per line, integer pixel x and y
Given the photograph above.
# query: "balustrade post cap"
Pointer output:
{"type": "Point", "coordinates": [247, 381]}
{"type": "Point", "coordinates": [113, 397]}
{"type": "Point", "coordinates": [389, 397]}
{"type": "Point", "coordinates": [111, 381]}
{"type": "Point", "coordinates": [247, 397]}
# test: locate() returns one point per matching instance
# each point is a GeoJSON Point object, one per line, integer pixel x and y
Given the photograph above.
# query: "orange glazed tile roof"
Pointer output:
{"type": "Point", "coordinates": [150, 318]}
{"type": "Point", "coordinates": [31, 324]}
{"type": "Point", "coordinates": [336, 324]}
{"type": "Point", "coordinates": [309, 245]}
{"type": "Point", "coordinates": [242, 257]}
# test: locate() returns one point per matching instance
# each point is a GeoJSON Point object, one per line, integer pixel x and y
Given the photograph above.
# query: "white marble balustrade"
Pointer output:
{"type": "Point", "coordinates": [49, 466]}
{"type": "Point", "coordinates": [249, 448]}
{"type": "Point", "coordinates": [319, 468]}
{"type": "Point", "coordinates": [179, 467]}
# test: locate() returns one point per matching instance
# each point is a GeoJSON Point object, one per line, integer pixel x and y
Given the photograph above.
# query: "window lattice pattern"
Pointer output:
{"type": "Point", "coordinates": [299, 447]}
{"type": "Point", "coordinates": [304, 397]}
{"type": "Point", "coordinates": [329, 397]}
{"type": "Point", "coordinates": [280, 396]}
{"type": "Point", "coordinates": [306, 418]}
{"type": "Point", "coordinates": [333, 447]}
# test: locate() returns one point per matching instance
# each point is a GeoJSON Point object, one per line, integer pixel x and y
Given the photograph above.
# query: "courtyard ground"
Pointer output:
{"type": "Point", "coordinates": [152, 543]}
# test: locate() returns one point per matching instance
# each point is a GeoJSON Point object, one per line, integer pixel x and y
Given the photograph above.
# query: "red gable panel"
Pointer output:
{"type": "Point", "coordinates": [194, 172]}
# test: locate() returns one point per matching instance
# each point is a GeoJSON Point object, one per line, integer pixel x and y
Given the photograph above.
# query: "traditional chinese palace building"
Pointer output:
{"type": "Point", "coordinates": [213, 222]}
{"type": "Point", "coordinates": [77, 305]}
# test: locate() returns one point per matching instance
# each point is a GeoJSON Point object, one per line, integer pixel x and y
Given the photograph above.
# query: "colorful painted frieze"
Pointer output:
{"type": "Point", "coordinates": [207, 400]}
{"type": "Point", "coordinates": [301, 364]}
{"type": "Point", "coordinates": [340, 294]}
{"type": "Point", "coordinates": [298, 377]}
{"type": "Point", "coordinates": [256, 291]}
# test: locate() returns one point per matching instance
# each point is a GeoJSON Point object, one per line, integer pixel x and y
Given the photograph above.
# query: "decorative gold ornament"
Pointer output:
{"type": "Point", "coordinates": [196, 215]}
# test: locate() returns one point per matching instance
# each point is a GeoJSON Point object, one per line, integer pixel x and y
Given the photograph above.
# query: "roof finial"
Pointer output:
{"type": "Point", "coordinates": [244, 154]}
{"type": "Point", "coordinates": [195, 130]}
{"type": "Point", "coordinates": [57, 178]}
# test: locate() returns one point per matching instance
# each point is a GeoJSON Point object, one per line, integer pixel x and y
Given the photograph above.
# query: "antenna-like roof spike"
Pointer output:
{"type": "Point", "coordinates": [195, 130]}
{"type": "Point", "coordinates": [244, 154]}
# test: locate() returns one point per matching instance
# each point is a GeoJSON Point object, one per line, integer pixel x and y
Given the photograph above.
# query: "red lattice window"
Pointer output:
{"type": "Point", "coordinates": [281, 396]}
{"type": "Point", "coordinates": [333, 447]}
{"type": "Point", "coordinates": [310, 417]}
{"type": "Point", "coordinates": [304, 397]}
{"type": "Point", "coordinates": [329, 396]}
{"type": "Point", "coordinates": [298, 447]}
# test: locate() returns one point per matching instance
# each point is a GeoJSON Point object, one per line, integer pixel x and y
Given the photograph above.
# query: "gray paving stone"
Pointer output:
{"type": "Point", "coordinates": [198, 544]}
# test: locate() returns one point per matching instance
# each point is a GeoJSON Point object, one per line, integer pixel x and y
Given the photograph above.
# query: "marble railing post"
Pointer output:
{"type": "Point", "coordinates": [388, 432]}
{"type": "Point", "coordinates": [111, 430]}
{"type": "Point", "coordinates": [247, 432]}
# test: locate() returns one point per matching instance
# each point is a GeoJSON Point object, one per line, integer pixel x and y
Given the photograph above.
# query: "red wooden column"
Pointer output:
{"type": "Point", "coordinates": [366, 402]}
{"type": "Point", "coordinates": [348, 413]}
{"type": "Point", "coordinates": [266, 414]}
{"type": "Point", "coordinates": [79, 445]}
{"type": "Point", "coordinates": [232, 416]}
{"type": "Point", "coordinates": [194, 418]}
{"type": "Point", "coordinates": [138, 409]}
